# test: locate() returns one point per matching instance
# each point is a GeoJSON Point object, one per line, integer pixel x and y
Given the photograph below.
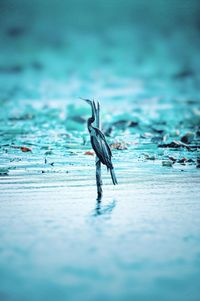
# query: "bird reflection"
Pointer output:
{"type": "Point", "coordinates": [104, 209]}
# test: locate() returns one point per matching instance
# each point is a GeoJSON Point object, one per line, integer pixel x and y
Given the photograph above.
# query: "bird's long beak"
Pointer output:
{"type": "Point", "coordinates": [87, 100]}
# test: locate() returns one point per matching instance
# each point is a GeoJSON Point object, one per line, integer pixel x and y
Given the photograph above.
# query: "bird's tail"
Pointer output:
{"type": "Point", "coordinates": [113, 176]}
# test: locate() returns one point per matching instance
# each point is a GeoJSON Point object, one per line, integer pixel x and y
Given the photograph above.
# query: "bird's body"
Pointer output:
{"type": "Point", "coordinates": [100, 145]}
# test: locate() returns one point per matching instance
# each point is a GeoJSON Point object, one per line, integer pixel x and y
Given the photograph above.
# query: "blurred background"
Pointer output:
{"type": "Point", "coordinates": [64, 49]}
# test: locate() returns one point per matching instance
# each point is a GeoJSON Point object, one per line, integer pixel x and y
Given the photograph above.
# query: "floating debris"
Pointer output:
{"type": "Point", "coordinates": [22, 148]}
{"type": "Point", "coordinates": [172, 159]}
{"type": "Point", "coordinates": [26, 116]}
{"type": "Point", "coordinates": [167, 163]}
{"type": "Point", "coordinates": [182, 161]}
{"type": "Point", "coordinates": [190, 160]}
{"type": "Point", "coordinates": [149, 157]}
{"type": "Point", "coordinates": [89, 153]}
{"type": "Point", "coordinates": [187, 138]}
{"type": "Point", "coordinates": [175, 144]}
{"type": "Point", "coordinates": [119, 145]}
{"type": "Point", "coordinates": [25, 149]}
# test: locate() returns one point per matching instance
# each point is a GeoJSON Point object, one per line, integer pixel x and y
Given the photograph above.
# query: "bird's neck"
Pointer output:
{"type": "Point", "coordinates": [90, 121]}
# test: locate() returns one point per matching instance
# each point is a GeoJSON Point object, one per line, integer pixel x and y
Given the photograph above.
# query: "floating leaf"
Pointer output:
{"type": "Point", "coordinates": [89, 153]}
{"type": "Point", "coordinates": [22, 148]}
{"type": "Point", "coordinates": [25, 149]}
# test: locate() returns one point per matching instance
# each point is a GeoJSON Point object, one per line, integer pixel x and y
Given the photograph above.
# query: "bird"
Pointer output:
{"type": "Point", "coordinates": [99, 143]}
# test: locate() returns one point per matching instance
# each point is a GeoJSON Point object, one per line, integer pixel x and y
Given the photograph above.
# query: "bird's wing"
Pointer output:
{"type": "Point", "coordinates": [101, 149]}
{"type": "Point", "coordinates": [98, 132]}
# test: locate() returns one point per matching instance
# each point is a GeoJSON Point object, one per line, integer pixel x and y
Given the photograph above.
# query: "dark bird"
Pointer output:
{"type": "Point", "coordinates": [99, 143]}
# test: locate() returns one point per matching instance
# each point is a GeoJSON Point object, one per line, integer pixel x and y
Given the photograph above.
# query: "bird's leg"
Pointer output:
{"type": "Point", "coordinates": [98, 179]}
{"type": "Point", "coordinates": [98, 162]}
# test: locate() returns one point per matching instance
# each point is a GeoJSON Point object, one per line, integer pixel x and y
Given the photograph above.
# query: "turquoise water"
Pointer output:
{"type": "Point", "coordinates": [142, 241]}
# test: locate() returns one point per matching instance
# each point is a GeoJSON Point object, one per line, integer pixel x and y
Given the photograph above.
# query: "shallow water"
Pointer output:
{"type": "Point", "coordinates": [58, 242]}
{"type": "Point", "coordinates": [141, 241]}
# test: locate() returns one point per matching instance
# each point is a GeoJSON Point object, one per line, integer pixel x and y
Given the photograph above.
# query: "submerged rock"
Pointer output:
{"type": "Point", "coordinates": [187, 138]}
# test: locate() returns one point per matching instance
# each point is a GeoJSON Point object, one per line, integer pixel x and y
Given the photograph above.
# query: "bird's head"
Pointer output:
{"type": "Point", "coordinates": [92, 118]}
